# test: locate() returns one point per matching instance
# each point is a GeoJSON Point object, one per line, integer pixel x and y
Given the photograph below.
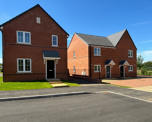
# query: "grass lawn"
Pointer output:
{"type": "Point", "coordinates": [6, 86]}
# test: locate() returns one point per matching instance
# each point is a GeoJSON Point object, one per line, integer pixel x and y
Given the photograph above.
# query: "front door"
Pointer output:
{"type": "Point", "coordinates": [108, 72]}
{"type": "Point", "coordinates": [50, 69]}
{"type": "Point", "coordinates": [121, 71]}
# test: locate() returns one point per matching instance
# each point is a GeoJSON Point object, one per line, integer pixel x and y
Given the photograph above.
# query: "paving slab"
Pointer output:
{"type": "Point", "coordinates": [134, 83]}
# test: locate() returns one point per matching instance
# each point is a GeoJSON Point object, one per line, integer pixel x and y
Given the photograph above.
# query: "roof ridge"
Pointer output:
{"type": "Point", "coordinates": [91, 35]}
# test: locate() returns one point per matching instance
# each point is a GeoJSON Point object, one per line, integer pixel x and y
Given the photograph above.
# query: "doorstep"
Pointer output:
{"type": "Point", "coordinates": [58, 84]}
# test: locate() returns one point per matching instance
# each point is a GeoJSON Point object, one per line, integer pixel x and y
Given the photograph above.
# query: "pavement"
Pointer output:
{"type": "Point", "coordinates": [95, 107]}
{"type": "Point", "coordinates": [65, 91]}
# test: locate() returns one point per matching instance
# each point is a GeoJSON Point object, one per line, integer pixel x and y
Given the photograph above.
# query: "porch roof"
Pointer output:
{"type": "Point", "coordinates": [51, 54]}
{"type": "Point", "coordinates": [124, 62]}
{"type": "Point", "coordinates": [109, 62]}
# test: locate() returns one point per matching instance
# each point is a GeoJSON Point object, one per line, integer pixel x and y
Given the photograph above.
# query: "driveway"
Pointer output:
{"type": "Point", "coordinates": [142, 84]}
{"type": "Point", "coordinates": [134, 83]}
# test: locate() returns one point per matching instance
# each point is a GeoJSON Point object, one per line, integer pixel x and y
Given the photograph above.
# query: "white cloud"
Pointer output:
{"type": "Point", "coordinates": [147, 55]}
{"type": "Point", "coordinates": [1, 61]}
{"type": "Point", "coordinates": [146, 41]}
{"type": "Point", "coordinates": [142, 23]}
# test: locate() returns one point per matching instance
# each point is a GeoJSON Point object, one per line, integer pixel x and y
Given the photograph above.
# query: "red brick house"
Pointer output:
{"type": "Point", "coordinates": [34, 47]}
{"type": "Point", "coordinates": [102, 57]}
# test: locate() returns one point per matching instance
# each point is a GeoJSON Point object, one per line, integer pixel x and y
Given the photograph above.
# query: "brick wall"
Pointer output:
{"type": "Point", "coordinates": [41, 39]}
{"type": "Point", "coordinates": [81, 56]}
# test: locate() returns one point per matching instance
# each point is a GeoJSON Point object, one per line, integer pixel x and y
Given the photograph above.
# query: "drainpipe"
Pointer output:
{"type": "Point", "coordinates": [1, 29]}
{"type": "Point", "coordinates": [90, 61]}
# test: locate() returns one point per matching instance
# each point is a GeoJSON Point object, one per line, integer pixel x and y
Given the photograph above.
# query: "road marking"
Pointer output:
{"type": "Point", "coordinates": [124, 95]}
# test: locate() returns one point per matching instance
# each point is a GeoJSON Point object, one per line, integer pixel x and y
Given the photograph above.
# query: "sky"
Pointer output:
{"type": "Point", "coordinates": [95, 17]}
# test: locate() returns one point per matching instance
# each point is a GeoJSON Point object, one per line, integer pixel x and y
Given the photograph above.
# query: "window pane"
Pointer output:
{"type": "Point", "coordinates": [99, 69]}
{"type": "Point", "coordinates": [95, 51]}
{"type": "Point", "coordinates": [27, 65]}
{"type": "Point", "coordinates": [20, 65]}
{"type": "Point", "coordinates": [27, 37]}
{"type": "Point", "coordinates": [54, 40]}
{"type": "Point", "coordinates": [38, 20]}
{"type": "Point", "coordinates": [20, 36]}
{"type": "Point", "coordinates": [95, 68]}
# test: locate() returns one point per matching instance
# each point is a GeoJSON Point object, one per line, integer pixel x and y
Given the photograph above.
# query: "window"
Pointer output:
{"type": "Point", "coordinates": [23, 65]}
{"type": "Point", "coordinates": [97, 68]}
{"type": "Point", "coordinates": [130, 68]}
{"type": "Point", "coordinates": [74, 54]}
{"type": "Point", "coordinates": [130, 53]}
{"type": "Point", "coordinates": [23, 37]}
{"type": "Point", "coordinates": [38, 20]}
{"type": "Point", "coordinates": [97, 51]}
{"type": "Point", "coordinates": [54, 40]}
{"type": "Point", "coordinates": [74, 70]}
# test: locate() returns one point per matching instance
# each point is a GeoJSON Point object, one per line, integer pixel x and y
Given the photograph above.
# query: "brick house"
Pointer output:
{"type": "Point", "coordinates": [102, 57]}
{"type": "Point", "coordinates": [34, 47]}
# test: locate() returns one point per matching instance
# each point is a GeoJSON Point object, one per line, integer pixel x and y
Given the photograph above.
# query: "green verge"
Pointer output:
{"type": "Point", "coordinates": [6, 86]}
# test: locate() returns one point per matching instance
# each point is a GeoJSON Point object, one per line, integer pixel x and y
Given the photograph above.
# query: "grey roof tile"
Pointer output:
{"type": "Point", "coordinates": [53, 54]}
{"type": "Point", "coordinates": [110, 41]}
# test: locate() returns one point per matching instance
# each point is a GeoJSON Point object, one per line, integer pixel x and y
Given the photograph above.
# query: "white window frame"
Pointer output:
{"type": "Point", "coordinates": [98, 51]}
{"type": "Point", "coordinates": [97, 68]}
{"type": "Point", "coordinates": [130, 53]}
{"type": "Point", "coordinates": [24, 65]}
{"type": "Point", "coordinates": [38, 20]}
{"type": "Point", "coordinates": [56, 40]}
{"type": "Point", "coordinates": [23, 37]}
{"type": "Point", "coordinates": [130, 69]}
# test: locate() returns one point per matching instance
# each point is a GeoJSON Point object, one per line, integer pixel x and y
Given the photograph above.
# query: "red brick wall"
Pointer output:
{"type": "Point", "coordinates": [41, 39]}
{"type": "Point", "coordinates": [120, 52]}
{"type": "Point", "coordinates": [81, 60]}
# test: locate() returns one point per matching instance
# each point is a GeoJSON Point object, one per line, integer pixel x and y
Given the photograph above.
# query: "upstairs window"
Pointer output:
{"type": "Point", "coordinates": [97, 51]}
{"type": "Point", "coordinates": [54, 40]}
{"type": "Point", "coordinates": [130, 68]}
{"type": "Point", "coordinates": [74, 70]}
{"type": "Point", "coordinates": [23, 65]}
{"type": "Point", "coordinates": [23, 37]}
{"type": "Point", "coordinates": [38, 20]}
{"type": "Point", "coordinates": [74, 56]}
{"type": "Point", "coordinates": [97, 68]}
{"type": "Point", "coordinates": [130, 53]}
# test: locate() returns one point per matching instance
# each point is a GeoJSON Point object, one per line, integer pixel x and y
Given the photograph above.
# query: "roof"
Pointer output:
{"type": "Point", "coordinates": [51, 54]}
{"type": "Point", "coordinates": [28, 11]}
{"type": "Point", "coordinates": [124, 62]}
{"type": "Point", "coordinates": [114, 38]}
{"type": "Point", "coordinates": [109, 62]}
{"type": "Point", "coordinates": [109, 41]}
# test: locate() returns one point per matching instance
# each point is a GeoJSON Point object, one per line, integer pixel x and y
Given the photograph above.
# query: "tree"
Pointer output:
{"type": "Point", "coordinates": [140, 60]}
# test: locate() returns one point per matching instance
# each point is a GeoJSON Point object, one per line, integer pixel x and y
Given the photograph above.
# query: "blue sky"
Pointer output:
{"type": "Point", "coordinates": [98, 17]}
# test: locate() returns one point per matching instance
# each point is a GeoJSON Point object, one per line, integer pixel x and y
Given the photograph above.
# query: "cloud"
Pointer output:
{"type": "Point", "coordinates": [142, 23]}
{"type": "Point", "coordinates": [4, 17]}
{"type": "Point", "coordinates": [1, 60]}
{"type": "Point", "coordinates": [147, 55]}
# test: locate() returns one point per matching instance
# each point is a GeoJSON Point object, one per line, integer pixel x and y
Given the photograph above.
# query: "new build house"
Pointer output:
{"type": "Point", "coordinates": [34, 47]}
{"type": "Point", "coordinates": [113, 56]}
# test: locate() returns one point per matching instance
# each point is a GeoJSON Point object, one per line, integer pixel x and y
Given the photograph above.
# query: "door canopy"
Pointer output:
{"type": "Point", "coordinates": [110, 62]}
{"type": "Point", "coordinates": [124, 63]}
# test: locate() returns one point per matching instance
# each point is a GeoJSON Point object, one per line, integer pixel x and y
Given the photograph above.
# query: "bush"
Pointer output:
{"type": "Point", "coordinates": [144, 72]}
